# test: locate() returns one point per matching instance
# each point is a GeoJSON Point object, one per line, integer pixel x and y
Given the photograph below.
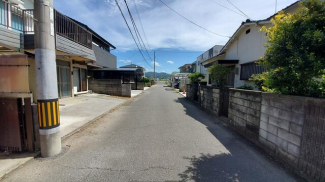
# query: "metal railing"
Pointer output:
{"type": "Point", "coordinates": [68, 28]}
{"type": "Point", "coordinates": [28, 21]}
{"type": "Point", "coordinates": [12, 17]}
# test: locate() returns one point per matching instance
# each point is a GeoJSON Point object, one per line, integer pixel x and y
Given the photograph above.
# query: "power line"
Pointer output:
{"type": "Point", "coordinates": [228, 8]}
{"type": "Point", "coordinates": [191, 21]}
{"type": "Point", "coordinates": [137, 31]}
{"type": "Point", "coordinates": [131, 32]}
{"type": "Point", "coordinates": [144, 33]}
{"type": "Point", "coordinates": [238, 9]}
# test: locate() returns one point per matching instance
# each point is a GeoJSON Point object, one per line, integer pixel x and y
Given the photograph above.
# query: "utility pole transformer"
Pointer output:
{"type": "Point", "coordinates": [154, 66]}
{"type": "Point", "coordinates": [46, 78]}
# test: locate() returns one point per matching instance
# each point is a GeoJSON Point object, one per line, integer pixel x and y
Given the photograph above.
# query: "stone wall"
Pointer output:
{"type": "Point", "coordinates": [209, 99]}
{"type": "Point", "coordinates": [244, 111]}
{"type": "Point", "coordinates": [294, 128]}
{"type": "Point", "coordinates": [110, 87]}
{"type": "Point", "coordinates": [189, 92]}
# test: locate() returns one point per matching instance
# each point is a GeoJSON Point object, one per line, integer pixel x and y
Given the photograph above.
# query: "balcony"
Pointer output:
{"type": "Point", "coordinates": [71, 38]}
{"type": "Point", "coordinates": [12, 21]}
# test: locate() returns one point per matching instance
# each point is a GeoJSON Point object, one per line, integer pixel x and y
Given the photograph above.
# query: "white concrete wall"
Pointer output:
{"type": "Point", "coordinates": [247, 48]}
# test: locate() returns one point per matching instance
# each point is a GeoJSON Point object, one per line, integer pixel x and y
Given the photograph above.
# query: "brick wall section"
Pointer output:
{"type": "Point", "coordinates": [110, 87]}
{"type": "Point", "coordinates": [244, 111]}
{"type": "Point", "coordinates": [209, 99]}
{"type": "Point", "coordinates": [294, 128]}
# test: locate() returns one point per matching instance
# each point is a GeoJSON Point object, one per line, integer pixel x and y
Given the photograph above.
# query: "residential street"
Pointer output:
{"type": "Point", "coordinates": [158, 136]}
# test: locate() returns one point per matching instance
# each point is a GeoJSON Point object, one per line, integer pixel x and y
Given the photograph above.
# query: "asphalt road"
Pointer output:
{"type": "Point", "coordinates": [159, 136]}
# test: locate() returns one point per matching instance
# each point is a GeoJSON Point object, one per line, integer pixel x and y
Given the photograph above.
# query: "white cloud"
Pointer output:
{"type": "Point", "coordinates": [164, 28]}
{"type": "Point", "coordinates": [125, 61]}
{"type": "Point", "coordinates": [170, 62]}
{"type": "Point", "coordinates": [157, 64]}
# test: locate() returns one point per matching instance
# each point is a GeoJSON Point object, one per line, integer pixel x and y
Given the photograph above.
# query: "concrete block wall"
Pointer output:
{"type": "Point", "coordinates": [244, 111]}
{"type": "Point", "coordinates": [282, 119]}
{"type": "Point", "coordinates": [110, 87]}
{"type": "Point", "coordinates": [209, 99]}
{"type": "Point", "coordinates": [126, 90]}
{"type": "Point", "coordinates": [140, 86]}
{"type": "Point", "coordinates": [294, 128]}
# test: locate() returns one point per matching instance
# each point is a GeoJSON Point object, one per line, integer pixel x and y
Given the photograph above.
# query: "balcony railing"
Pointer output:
{"type": "Point", "coordinates": [28, 21]}
{"type": "Point", "coordinates": [12, 17]}
{"type": "Point", "coordinates": [68, 28]}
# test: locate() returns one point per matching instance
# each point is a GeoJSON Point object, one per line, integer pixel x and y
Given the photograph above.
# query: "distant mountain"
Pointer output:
{"type": "Point", "coordinates": [158, 75]}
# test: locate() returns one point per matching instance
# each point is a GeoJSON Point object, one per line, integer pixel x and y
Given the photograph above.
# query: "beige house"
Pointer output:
{"type": "Point", "coordinates": [243, 49]}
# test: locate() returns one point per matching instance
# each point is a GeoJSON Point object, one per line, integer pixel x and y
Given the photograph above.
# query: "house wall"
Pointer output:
{"type": "Point", "coordinates": [32, 78]}
{"type": "Point", "coordinates": [250, 47]}
{"type": "Point", "coordinates": [246, 48]}
{"type": "Point", "coordinates": [71, 47]}
{"type": "Point", "coordinates": [104, 58]}
{"type": "Point", "coordinates": [10, 38]}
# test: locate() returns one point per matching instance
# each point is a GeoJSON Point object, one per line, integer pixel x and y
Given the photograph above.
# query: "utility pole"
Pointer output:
{"type": "Point", "coordinates": [276, 5]}
{"type": "Point", "coordinates": [154, 65]}
{"type": "Point", "coordinates": [46, 78]}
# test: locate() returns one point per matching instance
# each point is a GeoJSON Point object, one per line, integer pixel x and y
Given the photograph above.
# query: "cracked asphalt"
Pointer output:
{"type": "Point", "coordinates": [159, 136]}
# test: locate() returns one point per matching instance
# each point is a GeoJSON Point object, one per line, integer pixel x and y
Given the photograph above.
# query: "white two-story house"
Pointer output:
{"type": "Point", "coordinates": [244, 49]}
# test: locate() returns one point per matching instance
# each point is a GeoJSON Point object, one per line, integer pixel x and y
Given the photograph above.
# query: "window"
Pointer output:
{"type": "Point", "coordinates": [210, 53]}
{"type": "Point", "coordinates": [247, 31]}
{"type": "Point", "coordinates": [248, 69]}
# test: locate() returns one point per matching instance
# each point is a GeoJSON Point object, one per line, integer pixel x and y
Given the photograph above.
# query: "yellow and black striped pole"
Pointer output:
{"type": "Point", "coordinates": [48, 114]}
{"type": "Point", "coordinates": [46, 78]}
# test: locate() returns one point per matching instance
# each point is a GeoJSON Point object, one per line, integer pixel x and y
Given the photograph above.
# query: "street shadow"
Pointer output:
{"type": "Point", "coordinates": [209, 168]}
{"type": "Point", "coordinates": [244, 162]}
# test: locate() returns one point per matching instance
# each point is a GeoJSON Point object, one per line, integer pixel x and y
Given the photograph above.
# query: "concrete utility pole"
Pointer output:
{"type": "Point", "coordinates": [154, 65]}
{"type": "Point", "coordinates": [46, 77]}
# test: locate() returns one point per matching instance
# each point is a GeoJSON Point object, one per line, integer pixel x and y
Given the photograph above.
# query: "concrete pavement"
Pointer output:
{"type": "Point", "coordinates": [160, 136]}
{"type": "Point", "coordinates": [78, 111]}
{"type": "Point", "coordinates": [75, 113]}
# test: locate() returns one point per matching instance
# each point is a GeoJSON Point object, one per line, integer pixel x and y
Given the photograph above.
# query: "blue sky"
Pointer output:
{"type": "Point", "coordinates": [175, 40]}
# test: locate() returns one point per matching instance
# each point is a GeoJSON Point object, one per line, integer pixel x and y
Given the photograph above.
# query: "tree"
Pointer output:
{"type": "Point", "coordinates": [219, 74]}
{"type": "Point", "coordinates": [295, 54]}
{"type": "Point", "coordinates": [196, 77]}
